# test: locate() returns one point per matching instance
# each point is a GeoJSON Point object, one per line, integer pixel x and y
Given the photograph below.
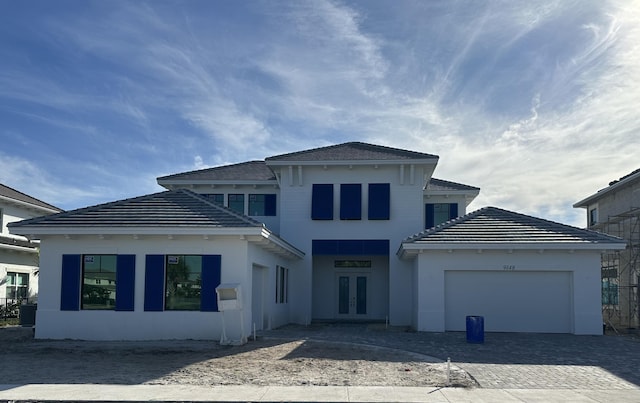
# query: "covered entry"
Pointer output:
{"type": "Point", "coordinates": [350, 279]}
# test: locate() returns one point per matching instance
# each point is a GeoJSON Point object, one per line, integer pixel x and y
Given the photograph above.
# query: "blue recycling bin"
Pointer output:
{"type": "Point", "coordinates": [475, 329]}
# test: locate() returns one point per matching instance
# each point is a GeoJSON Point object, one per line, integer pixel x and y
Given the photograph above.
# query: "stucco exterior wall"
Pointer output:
{"type": "Point", "coordinates": [584, 267]}
{"type": "Point", "coordinates": [406, 218]}
{"type": "Point", "coordinates": [237, 256]}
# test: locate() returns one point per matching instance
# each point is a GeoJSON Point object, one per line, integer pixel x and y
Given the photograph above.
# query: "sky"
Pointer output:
{"type": "Point", "coordinates": [536, 102]}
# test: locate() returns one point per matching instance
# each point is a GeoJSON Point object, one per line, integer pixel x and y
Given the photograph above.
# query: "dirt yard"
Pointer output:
{"type": "Point", "coordinates": [260, 362]}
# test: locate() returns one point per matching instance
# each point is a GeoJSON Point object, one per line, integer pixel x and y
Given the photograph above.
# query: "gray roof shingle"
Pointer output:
{"type": "Point", "coordinates": [352, 151]}
{"type": "Point", "coordinates": [177, 208]}
{"type": "Point", "coordinates": [491, 225]}
{"type": "Point", "coordinates": [11, 193]}
{"type": "Point", "coordinates": [245, 171]}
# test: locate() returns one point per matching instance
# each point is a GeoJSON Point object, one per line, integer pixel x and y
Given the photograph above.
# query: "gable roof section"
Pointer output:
{"type": "Point", "coordinates": [613, 186]}
{"type": "Point", "coordinates": [350, 152]}
{"type": "Point", "coordinates": [11, 194]}
{"type": "Point", "coordinates": [494, 228]}
{"type": "Point", "coordinates": [251, 171]}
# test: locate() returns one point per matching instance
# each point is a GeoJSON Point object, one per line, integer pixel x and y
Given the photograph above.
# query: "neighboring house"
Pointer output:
{"type": "Point", "coordinates": [353, 231]}
{"type": "Point", "coordinates": [615, 210]}
{"type": "Point", "coordinates": [18, 255]}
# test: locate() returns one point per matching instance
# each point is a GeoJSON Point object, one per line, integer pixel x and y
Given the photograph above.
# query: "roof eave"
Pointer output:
{"type": "Point", "coordinates": [30, 206]}
{"type": "Point", "coordinates": [584, 203]}
{"type": "Point", "coordinates": [421, 161]}
{"type": "Point", "coordinates": [411, 249]}
{"type": "Point", "coordinates": [188, 183]}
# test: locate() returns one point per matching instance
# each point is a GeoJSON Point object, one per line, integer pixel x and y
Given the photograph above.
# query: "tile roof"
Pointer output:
{"type": "Point", "coordinates": [245, 171]}
{"type": "Point", "coordinates": [10, 193]}
{"type": "Point", "coordinates": [491, 225]}
{"type": "Point", "coordinates": [443, 185]}
{"type": "Point", "coordinates": [353, 151]}
{"type": "Point", "coordinates": [171, 209]}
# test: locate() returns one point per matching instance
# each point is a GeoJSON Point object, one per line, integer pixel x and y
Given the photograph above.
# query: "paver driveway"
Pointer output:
{"type": "Point", "coordinates": [504, 360]}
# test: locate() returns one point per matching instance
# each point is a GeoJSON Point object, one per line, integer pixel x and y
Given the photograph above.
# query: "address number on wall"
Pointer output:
{"type": "Point", "coordinates": [509, 267]}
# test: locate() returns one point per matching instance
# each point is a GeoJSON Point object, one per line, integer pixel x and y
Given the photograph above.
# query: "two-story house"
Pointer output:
{"type": "Point", "coordinates": [353, 231]}
{"type": "Point", "coordinates": [18, 255]}
{"type": "Point", "coordinates": [615, 210]}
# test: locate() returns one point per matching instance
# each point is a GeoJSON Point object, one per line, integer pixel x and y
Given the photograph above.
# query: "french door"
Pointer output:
{"type": "Point", "coordinates": [352, 295]}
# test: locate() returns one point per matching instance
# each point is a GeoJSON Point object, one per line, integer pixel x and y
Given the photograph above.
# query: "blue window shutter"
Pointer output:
{"type": "Point", "coordinates": [154, 283]}
{"type": "Point", "coordinates": [270, 205]}
{"type": "Point", "coordinates": [379, 201]}
{"type": "Point", "coordinates": [322, 202]}
{"type": "Point", "coordinates": [429, 213]}
{"type": "Point", "coordinates": [453, 211]}
{"type": "Point", "coordinates": [211, 275]}
{"type": "Point", "coordinates": [350, 201]}
{"type": "Point", "coordinates": [125, 282]}
{"type": "Point", "coordinates": [70, 288]}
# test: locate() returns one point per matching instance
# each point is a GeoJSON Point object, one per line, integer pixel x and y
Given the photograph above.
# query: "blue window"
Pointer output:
{"type": "Point", "coordinates": [262, 204]}
{"type": "Point", "coordinates": [182, 282]}
{"type": "Point", "coordinates": [437, 213]}
{"type": "Point", "coordinates": [379, 201]}
{"type": "Point", "coordinates": [350, 201]}
{"type": "Point", "coordinates": [322, 202]}
{"type": "Point", "coordinates": [217, 198]}
{"type": "Point", "coordinates": [98, 282]}
{"type": "Point", "coordinates": [236, 203]}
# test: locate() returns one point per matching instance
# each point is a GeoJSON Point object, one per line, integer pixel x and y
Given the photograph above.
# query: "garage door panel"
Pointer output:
{"type": "Point", "coordinates": [509, 301]}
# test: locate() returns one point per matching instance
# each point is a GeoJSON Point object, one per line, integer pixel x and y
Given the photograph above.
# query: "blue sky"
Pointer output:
{"type": "Point", "coordinates": [536, 102]}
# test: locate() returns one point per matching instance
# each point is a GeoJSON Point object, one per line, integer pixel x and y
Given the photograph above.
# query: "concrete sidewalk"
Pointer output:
{"type": "Point", "coordinates": [182, 393]}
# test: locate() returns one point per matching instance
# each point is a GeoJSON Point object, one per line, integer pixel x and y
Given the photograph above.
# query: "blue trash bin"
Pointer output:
{"type": "Point", "coordinates": [475, 329]}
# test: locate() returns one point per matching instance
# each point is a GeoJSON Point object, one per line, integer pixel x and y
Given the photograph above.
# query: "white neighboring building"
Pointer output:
{"type": "Point", "coordinates": [317, 235]}
{"type": "Point", "coordinates": [18, 255]}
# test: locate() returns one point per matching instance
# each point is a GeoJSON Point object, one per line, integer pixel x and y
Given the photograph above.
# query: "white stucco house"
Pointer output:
{"type": "Point", "coordinates": [19, 255]}
{"type": "Point", "coordinates": [353, 231]}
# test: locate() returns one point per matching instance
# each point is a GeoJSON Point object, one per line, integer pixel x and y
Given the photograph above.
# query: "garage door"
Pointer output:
{"type": "Point", "coordinates": [510, 301]}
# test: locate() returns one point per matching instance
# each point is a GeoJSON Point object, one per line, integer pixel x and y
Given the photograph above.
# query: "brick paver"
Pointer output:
{"type": "Point", "coordinates": [504, 360]}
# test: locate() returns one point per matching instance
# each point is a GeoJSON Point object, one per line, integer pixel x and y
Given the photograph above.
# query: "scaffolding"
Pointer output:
{"type": "Point", "coordinates": [621, 272]}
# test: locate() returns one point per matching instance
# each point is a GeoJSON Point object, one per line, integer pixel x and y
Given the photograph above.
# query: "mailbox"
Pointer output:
{"type": "Point", "coordinates": [229, 297]}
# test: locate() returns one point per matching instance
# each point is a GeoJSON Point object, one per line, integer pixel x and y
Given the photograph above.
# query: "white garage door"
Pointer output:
{"type": "Point", "coordinates": [510, 301]}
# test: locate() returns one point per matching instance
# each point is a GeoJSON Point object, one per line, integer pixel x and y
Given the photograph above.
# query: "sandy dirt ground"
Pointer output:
{"type": "Point", "coordinates": [259, 362]}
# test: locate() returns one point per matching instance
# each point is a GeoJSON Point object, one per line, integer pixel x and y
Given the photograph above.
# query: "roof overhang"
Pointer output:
{"type": "Point", "coordinates": [409, 250]}
{"type": "Point", "coordinates": [17, 248]}
{"type": "Point", "coordinates": [422, 161]}
{"type": "Point", "coordinates": [584, 203]}
{"type": "Point", "coordinates": [183, 183]}
{"type": "Point", "coordinates": [29, 206]}
{"type": "Point", "coordinates": [258, 235]}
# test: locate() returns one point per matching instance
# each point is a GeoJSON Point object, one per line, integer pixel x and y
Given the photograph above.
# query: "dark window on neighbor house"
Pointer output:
{"type": "Point", "coordinates": [236, 203]}
{"type": "Point", "coordinates": [181, 282]}
{"type": "Point", "coordinates": [322, 202]}
{"type": "Point", "coordinates": [262, 204]}
{"type": "Point", "coordinates": [593, 216]}
{"type": "Point", "coordinates": [350, 201]}
{"type": "Point", "coordinates": [217, 198]}
{"type": "Point", "coordinates": [609, 291]}
{"type": "Point", "coordinates": [98, 282]}
{"type": "Point", "coordinates": [437, 213]}
{"type": "Point", "coordinates": [282, 285]}
{"type": "Point", "coordinates": [1, 217]}
{"type": "Point", "coordinates": [17, 285]}
{"type": "Point", "coordinates": [379, 201]}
